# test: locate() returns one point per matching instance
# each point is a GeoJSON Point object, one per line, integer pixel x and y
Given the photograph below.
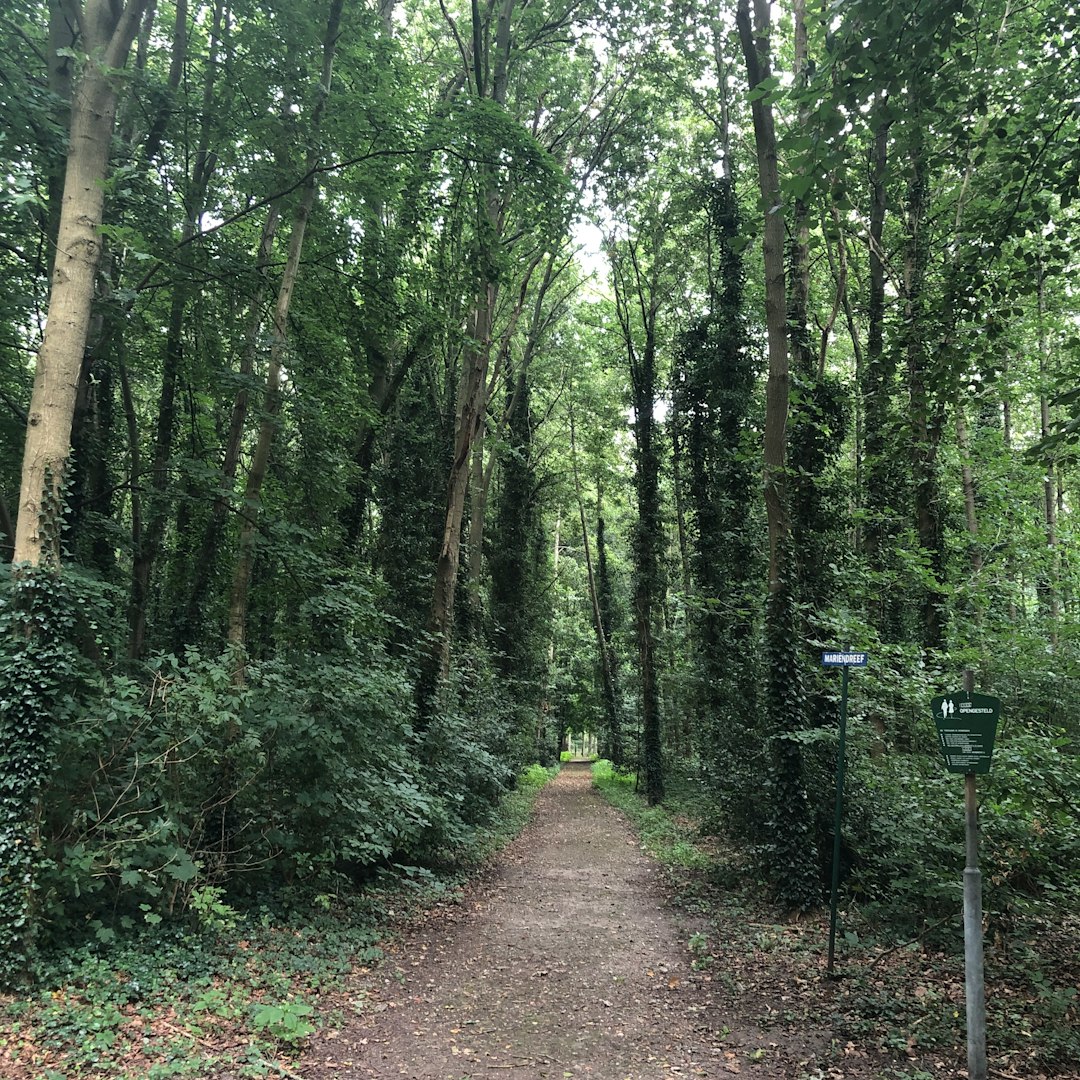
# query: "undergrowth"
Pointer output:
{"type": "Point", "coordinates": [669, 840]}
{"type": "Point", "coordinates": [240, 992]}
{"type": "Point", "coordinates": [900, 997]}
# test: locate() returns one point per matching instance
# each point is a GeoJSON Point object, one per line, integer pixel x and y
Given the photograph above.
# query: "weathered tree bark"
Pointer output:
{"type": "Point", "coordinates": [755, 47]}
{"type": "Point", "coordinates": [108, 31]}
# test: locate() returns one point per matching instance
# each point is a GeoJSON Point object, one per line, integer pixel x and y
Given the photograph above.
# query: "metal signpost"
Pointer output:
{"type": "Point", "coordinates": [844, 661]}
{"type": "Point", "coordinates": [967, 723]}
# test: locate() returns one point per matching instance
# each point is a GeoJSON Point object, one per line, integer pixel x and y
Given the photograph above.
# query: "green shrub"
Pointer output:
{"type": "Point", "coordinates": [907, 833]}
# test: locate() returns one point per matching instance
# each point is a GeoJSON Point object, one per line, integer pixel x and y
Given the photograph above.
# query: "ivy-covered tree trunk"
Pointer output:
{"type": "Point", "coordinates": [36, 660]}
{"type": "Point", "coordinates": [611, 745]}
{"type": "Point", "coordinates": [605, 601]}
{"type": "Point", "coordinates": [878, 374]}
{"type": "Point", "coordinates": [927, 416]}
{"type": "Point", "coordinates": [638, 288]}
{"type": "Point", "coordinates": [648, 538]}
{"type": "Point", "coordinates": [513, 585]}
{"type": "Point", "coordinates": [793, 854]}
{"type": "Point", "coordinates": [716, 383]}
{"type": "Point", "coordinates": [755, 46]}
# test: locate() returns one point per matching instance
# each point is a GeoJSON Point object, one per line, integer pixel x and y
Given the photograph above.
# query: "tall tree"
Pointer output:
{"type": "Point", "coordinates": [108, 30]}
{"type": "Point", "coordinates": [791, 843]}
{"type": "Point", "coordinates": [641, 278]}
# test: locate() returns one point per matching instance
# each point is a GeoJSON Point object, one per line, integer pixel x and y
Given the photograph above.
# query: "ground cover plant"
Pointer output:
{"type": "Point", "coordinates": [898, 994]}
{"type": "Point", "coordinates": [237, 990]}
{"type": "Point", "coordinates": [395, 394]}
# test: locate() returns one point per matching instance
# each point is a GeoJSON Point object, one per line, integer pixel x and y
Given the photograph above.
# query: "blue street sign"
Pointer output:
{"type": "Point", "coordinates": [844, 659]}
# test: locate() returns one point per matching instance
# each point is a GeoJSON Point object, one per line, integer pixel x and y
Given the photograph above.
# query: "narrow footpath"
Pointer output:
{"type": "Point", "coordinates": [565, 960]}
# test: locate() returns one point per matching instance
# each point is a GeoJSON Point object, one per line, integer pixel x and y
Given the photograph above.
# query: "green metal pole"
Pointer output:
{"type": "Point", "coordinates": [840, 755]}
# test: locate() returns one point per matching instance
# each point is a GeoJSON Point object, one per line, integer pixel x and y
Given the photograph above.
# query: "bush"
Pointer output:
{"type": "Point", "coordinates": [908, 834]}
{"type": "Point", "coordinates": [187, 781]}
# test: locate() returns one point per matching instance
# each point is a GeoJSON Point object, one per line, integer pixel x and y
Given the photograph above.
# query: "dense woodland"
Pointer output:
{"type": "Point", "coordinates": [387, 390]}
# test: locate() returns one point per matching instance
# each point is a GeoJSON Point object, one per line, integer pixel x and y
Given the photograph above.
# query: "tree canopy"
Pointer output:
{"type": "Point", "coordinates": [389, 390]}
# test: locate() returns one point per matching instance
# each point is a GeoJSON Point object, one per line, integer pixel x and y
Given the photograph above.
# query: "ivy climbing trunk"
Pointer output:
{"type": "Point", "coordinates": [638, 289]}
{"type": "Point", "coordinates": [260, 460]}
{"type": "Point", "coordinates": [877, 380]}
{"type": "Point", "coordinates": [789, 825]}
{"type": "Point", "coordinates": [472, 391]}
{"type": "Point", "coordinates": [38, 660]}
{"type": "Point", "coordinates": [755, 47]}
{"type": "Point", "coordinates": [927, 415]}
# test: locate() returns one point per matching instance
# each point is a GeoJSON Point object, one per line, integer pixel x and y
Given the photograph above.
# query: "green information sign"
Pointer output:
{"type": "Point", "coordinates": [966, 725]}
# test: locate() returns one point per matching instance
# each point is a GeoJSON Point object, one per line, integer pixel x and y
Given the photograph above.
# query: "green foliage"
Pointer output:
{"type": "Point", "coordinates": [662, 835]}
{"type": "Point", "coordinates": [255, 970]}
{"type": "Point", "coordinates": [288, 1022]}
{"type": "Point", "coordinates": [714, 379]}
{"type": "Point", "coordinates": [907, 836]}
{"type": "Point", "coordinates": [39, 674]}
{"type": "Point", "coordinates": [169, 795]}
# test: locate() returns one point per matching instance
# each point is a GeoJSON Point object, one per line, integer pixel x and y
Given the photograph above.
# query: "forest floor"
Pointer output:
{"type": "Point", "coordinates": [612, 944]}
{"type": "Point", "coordinates": [568, 958]}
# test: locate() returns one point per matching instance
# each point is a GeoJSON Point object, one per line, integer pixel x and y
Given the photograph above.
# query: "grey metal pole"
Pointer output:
{"type": "Point", "coordinates": [974, 985]}
{"type": "Point", "coordinates": [840, 755]}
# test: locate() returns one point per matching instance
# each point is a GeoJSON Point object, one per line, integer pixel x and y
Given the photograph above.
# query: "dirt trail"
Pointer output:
{"type": "Point", "coordinates": [564, 961]}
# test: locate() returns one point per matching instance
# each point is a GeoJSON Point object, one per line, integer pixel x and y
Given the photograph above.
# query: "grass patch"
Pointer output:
{"type": "Point", "coordinates": [241, 994]}
{"type": "Point", "coordinates": [667, 837]}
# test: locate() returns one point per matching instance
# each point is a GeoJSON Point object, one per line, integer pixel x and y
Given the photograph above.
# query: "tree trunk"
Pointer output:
{"type": "Point", "coordinates": [613, 749]}
{"type": "Point", "coordinates": [876, 385]}
{"type": "Point", "coordinates": [108, 33]}
{"type": "Point", "coordinates": [215, 526]}
{"type": "Point", "coordinates": [647, 588]}
{"type": "Point", "coordinates": [1048, 581]}
{"type": "Point", "coordinates": [147, 542]}
{"type": "Point", "coordinates": [755, 47]}
{"type": "Point", "coordinates": [926, 416]}
{"type": "Point", "coordinates": [634, 288]}
{"type": "Point", "coordinates": [260, 461]}
{"type": "Point", "coordinates": [793, 840]}
{"type": "Point", "coordinates": [473, 386]}
{"type": "Point", "coordinates": [63, 38]}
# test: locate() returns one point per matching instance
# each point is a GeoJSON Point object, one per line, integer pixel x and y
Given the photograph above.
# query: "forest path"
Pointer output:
{"type": "Point", "coordinates": [564, 960]}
